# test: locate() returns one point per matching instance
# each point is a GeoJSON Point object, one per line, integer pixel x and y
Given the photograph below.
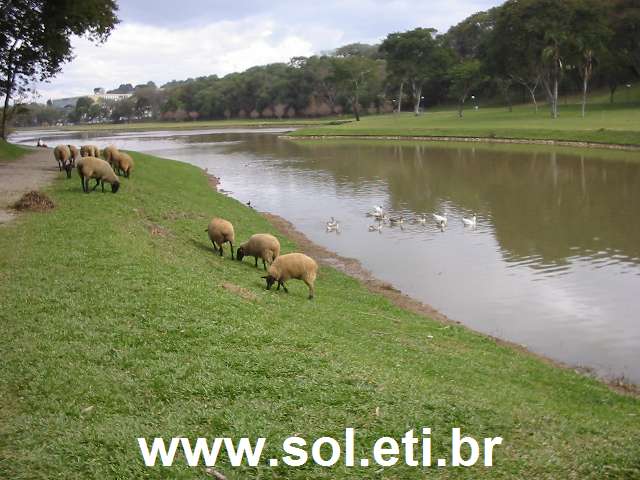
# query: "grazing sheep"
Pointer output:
{"type": "Point", "coordinates": [292, 265]}
{"type": "Point", "coordinates": [221, 231]}
{"type": "Point", "coordinates": [89, 151]}
{"type": "Point", "coordinates": [262, 245]}
{"type": "Point", "coordinates": [108, 152]}
{"type": "Point", "coordinates": [62, 154]}
{"type": "Point", "coordinates": [75, 154]}
{"type": "Point", "coordinates": [122, 162]}
{"type": "Point", "coordinates": [92, 167]}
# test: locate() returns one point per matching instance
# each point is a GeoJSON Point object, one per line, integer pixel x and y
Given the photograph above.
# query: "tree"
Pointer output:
{"type": "Point", "coordinates": [352, 75]}
{"type": "Point", "coordinates": [590, 36]}
{"type": "Point", "coordinates": [35, 39]}
{"type": "Point", "coordinates": [465, 77]}
{"type": "Point", "coordinates": [415, 57]}
{"type": "Point", "coordinates": [358, 50]}
{"type": "Point", "coordinates": [82, 108]}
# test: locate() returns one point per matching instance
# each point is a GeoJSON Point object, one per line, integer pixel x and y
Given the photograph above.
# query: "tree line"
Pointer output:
{"type": "Point", "coordinates": [522, 50]}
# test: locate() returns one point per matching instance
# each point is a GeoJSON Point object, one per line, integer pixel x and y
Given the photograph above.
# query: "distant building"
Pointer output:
{"type": "Point", "coordinates": [98, 96]}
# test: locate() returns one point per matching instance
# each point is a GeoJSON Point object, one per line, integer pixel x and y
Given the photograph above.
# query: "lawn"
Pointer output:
{"type": "Point", "coordinates": [604, 123]}
{"type": "Point", "coordinates": [118, 321]}
{"type": "Point", "coordinates": [203, 124]}
{"type": "Point", "coordinates": [9, 151]}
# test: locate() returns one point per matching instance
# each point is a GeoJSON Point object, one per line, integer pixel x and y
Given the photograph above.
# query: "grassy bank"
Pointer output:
{"type": "Point", "coordinates": [9, 151]}
{"type": "Point", "coordinates": [118, 321]}
{"type": "Point", "coordinates": [201, 124]}
{"type": "Point", "coordinates": [610, 124]}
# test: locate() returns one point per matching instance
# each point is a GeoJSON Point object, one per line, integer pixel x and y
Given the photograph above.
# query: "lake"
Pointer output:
{"type": "Point", "coordinates": [553, 262]}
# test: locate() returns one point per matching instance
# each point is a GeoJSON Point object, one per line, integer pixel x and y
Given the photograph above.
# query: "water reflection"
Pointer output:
{"type": "Point", "coordinates": [553, 262]}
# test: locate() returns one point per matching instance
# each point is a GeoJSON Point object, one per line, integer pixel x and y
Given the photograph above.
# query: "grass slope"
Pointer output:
{"type": "Point", "coordinates": [9, 151]}
{"type": "Point", "coordinates": [613, 124]}
{"type": "Point", "coordinates": [115, 302]}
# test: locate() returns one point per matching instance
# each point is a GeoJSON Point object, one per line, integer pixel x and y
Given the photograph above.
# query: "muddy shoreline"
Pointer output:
{"type": "Point", "coordinates": [517, 141]}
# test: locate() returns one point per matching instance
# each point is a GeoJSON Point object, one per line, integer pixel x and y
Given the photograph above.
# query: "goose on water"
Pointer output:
{"type": "Point", "coordinates": [396, 220]}
{"type": "Point", "coordinates": [441, 219]}
{"type": "Point", "coordinates": [376, 228]}
{"type": "Point", "coordinates": [333, 225]}
{"type": "Point", "coordinates": [469, 222]}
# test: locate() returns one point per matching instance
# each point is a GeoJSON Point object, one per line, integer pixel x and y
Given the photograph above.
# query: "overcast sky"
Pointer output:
{"type": "Point", "coordinates": [163, 40]}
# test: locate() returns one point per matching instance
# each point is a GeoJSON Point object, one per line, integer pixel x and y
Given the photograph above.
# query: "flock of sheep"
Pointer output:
{"type": "Point", "coordinates": [267, 248]}
{"type": "Point", "coordinates": [261, 245]}
{"type": "Point", "coordinates": [89, 164]}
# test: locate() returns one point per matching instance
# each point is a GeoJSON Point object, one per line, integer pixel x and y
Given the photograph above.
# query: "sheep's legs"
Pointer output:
{"type": "Point", "coordinates": [280, 282]}
{"type": "Point", "coordinates": [256, 259]}
{"type": "Point", "coordinates": [96, 185]}
{"type": "Point", "coordinates": [232, 257]}
{"type": "Point", "coordinates": [264, 264]}
{"type": "Point", "coordinates": [311, 292]}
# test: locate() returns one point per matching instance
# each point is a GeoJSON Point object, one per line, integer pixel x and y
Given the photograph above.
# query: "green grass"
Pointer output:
{"type": "Point", "coordinates": [610, 124]}
{"type": "Point", "coordinates": [115, 302]}
{"type": "Point", "coordinates": [9, 151]}
{"type": "Point", "coordinates": [201, 124]}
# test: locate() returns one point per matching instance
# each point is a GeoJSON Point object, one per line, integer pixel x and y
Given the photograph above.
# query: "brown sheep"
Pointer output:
{"type": "Point", "coordinates": [221, 231]}
{"type": "Point", "coordinates": [91, 167]}
{"type": "Point", "coordinates": [260, 245]}
{"type": "Point", "coordinates": [89, 151]}
{"type": "Point", "coordinates": [62, 154]}
{"type": "Point", "coordinates": [75, 154]}
{"type": "Point", "coordinates": [108, 152]}
{"type": "Point", "coordinates": [292, 265]}
{"type": "Point", "coordinates": [122, 162]}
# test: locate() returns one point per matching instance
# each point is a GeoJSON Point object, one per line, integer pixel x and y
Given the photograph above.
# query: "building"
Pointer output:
{"type": "Point", "coordinates": [98, 96]}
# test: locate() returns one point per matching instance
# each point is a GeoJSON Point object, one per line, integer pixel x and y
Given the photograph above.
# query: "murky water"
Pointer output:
{"type": "Point", "coordinates": [553, 262]}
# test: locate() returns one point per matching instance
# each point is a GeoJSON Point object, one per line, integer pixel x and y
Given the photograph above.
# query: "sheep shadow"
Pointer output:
{"type": "Point", "coordinates": [205, 247]}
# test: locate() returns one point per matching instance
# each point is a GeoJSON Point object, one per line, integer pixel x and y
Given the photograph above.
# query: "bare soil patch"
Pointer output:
{"type": "Point", "coordinates": [240, 291]}
{"type": "Point", "coordinates": [28, 173]}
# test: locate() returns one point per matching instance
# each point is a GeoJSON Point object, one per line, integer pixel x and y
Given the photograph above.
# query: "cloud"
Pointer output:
{"type": "Point", "coordinates": [137, 53]}
{"type": "Point", "coordinates": [161, 41]}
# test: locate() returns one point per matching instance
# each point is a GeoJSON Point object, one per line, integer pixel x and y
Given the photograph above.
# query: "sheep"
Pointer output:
{"type": "Point", "coordinates": [221, 231]}
{"type": "Point", "coordinates": [108, 152]}
{"type": "Point", "coordinates": [92, 167]}
{"type": "Point", "coordinates": [75, 153]}
{"type": "Point", "coordinates": [62, 154]}
{"type": "Point", "coordinates": [121, 162]}
{"type": "Point", "coordinates": [292, 265]}
{"type": "Point", "coordinates": [89, 151]}
{"type": "Point", "coordinates": [262, 245]}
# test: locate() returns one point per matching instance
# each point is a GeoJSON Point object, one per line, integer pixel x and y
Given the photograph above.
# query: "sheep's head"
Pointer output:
{"type": "Point", "coordinates": [270, 281]}
{"type": "Point", "coordinates": [240, 253]}
{"type": "Point", "coordinates": [115, 186]}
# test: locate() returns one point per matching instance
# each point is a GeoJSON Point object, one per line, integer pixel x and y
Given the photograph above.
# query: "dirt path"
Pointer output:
{"type": "Point", "coordinates": [30, 172]}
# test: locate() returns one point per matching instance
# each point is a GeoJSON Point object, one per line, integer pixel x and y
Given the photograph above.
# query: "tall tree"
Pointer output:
{"type": "Point", "coordinates": [590, 36]}
{"type": "Point", "coordinates": [417, 57]}
{"type": "Point", "coordinates": [353, 75]}
{"type": "Point", "coordinates": [35, 39]}
{"type": "Point", "coordinates": [465, 77]}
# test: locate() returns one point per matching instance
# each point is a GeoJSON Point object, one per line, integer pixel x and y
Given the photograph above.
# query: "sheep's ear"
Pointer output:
{"type": "Point", "coordinates": [265, 277]}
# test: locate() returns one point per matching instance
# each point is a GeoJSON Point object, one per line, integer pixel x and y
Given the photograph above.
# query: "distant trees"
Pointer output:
{"type": "Point", "coordinates": [517, 48]}
{"type": "Point", "coordinates": [415, 57]}
{"type": "Point", "coordinates": [35, 39]}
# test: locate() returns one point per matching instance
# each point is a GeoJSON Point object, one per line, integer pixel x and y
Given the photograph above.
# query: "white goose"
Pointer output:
{"type": "Point", "coordinates": [469, 222]}
{"type": "Point", "coordinates": [422, 219]}
{"type": "Point", "coordinates": [441, 219]}
{"type": "Point", "coordinates": [333, 225]}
